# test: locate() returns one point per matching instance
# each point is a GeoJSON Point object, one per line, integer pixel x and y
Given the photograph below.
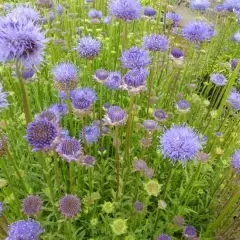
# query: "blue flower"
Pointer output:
{"type": "Point", "coordinates": [69, 149]}
{"type": "Point", "coordinates": [115, 115]}
{"type": "Point", "coordinates": [198, 31]}
{"type": "Point", "coordinates": [24, 229]}
{"type": "Point", "coordinates": [235, 160]}
{"type": "Point", "coordinates": [231, 5]}
{"type": "Point", "coordinates": [70, 206]}
{"type": "Point", "coordinates": [41, 134]}
{"type": "Point", "coordinates": [234, 63]}
{"type": "Point", "coordinates": [236, 37]}
{"type": "Point", "coordinates": [65, 75]}
{"type": "Point", "coordinates": [190, 232]}
{"type": "Point", "coordinates": [92, 134]}
{"type": "Point", "coordinates": [164, 237]}
{"type": "Point", "coordinates": [107, 20]}
{"type": "Point", "coordinates": [114, 81]}
{"type": "Point", "coordinates": [3, 98]}
{"type": "Point", "coordinates": [149, 12]}
{"type": "Point", "coordinates": [155, 43]}
{"type": "Point", "coordinates": [176, 18]}
{"type": "Point", "coordinates": [127, 10]}
{"type": "Point", "coordinates": [218, 79]}
{"type": "Point", "coordinates": [234, 100]}
{"type": "Point", "coordinates": [183, 105]}
{"type": "Point", "coordinates": [135, 58]}
{"type": "Point", "coordinates": [26, 11]}
{"type": "Point", "coordinates": [201, 5]}
{"type": "Point", "coordinates": [101, 75]}
{"type": "Point", "coordinates": [180, 143]}
{"type": "Point", "coordinates": [88, 47]}
{"type": "Point", "coordinates": [7, 7]}
{"type": "Point", "coordinates": [59, 9]}
{"type": "Point", "coordinates": [21, 40]}
{"type": "Point", "coordinates": [60, 109]}
{"type": "Point", "coordinates": [93, 13]}
{"type": "Point", "coordinates": [220, 8]}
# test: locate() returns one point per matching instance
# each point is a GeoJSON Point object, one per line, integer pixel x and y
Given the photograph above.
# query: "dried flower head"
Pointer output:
{"type": "Point", "coordinates": [32, 205]}
{"type": "Point", "coordinates": [152, 187]}
{"type": "Point", "coordinates": [138, 206]}
{"type": "Point", "coordinates": [70, 206]}
{"type": "Point", "coordinates": [139, 165]}
{"type": "Point", "coordinates": [119, 226]}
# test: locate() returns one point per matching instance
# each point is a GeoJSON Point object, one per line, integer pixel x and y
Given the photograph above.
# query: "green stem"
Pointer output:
{"type": "Point", "coordinates": [56, 169]}
{"type": "Point", "coordinates": [71, 178]}
{"type": "Point", "coordinates": [70, 114]}
{"type": "Point", "coordinates": [124, 35]}
{"type": "Point", "coordinates": [117, 160]}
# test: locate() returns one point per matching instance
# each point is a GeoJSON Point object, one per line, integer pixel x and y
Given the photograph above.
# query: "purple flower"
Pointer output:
{"type": "Point", "coordinates": [201, 5]}
{"type": "Point", "coordinates": [198, 31]}
{"type": "Point", "coordinates": [32, 205]}
{"type": "Point", "coordinates": [51, 16]}
{"type": "Point", "coordinates": [231, 5]}
{"type": "Point", "coordinates": [160, 115]}
{"type": "Point", "coordinates": [183, 105]}
{"type": "Point", "coordinates": [27, 73]}
{"type": "Point", "coordinates": [93, 13]}
{"type": "Point", "coordinates": [175, 18]}
{"type": "Point", "coordinates": [7, 7]}
{"type": "Point", "coordinates": [218, 79]}
{"type": "Point", "coordinates": [180, 143]}
{"type": "Point", "coordinates": [60, 109]}
{"type": "Point", "coordinates": [70, 206]}
{"type": "Point", "coordinates": [92, 134]}
{"type": "Point", "coordinates": [101, 75]}
{"type": "Point", "coordinates": [24, 229]}
{"type": "Point", "coordinates": [234, 100]}
{"type": "Point", "coordinates": [190, 232]}
{"type": "Point", "coordinates": [135, 58]}
{"type": "Point", "coordinates": [220, 8]}
{"type": "Point", "coordinates": [115, 116]}
{"type": "Point", "coordinates": [24, 10]}
{"type": "Point", "coordinates": [88, 161]}
{"type": "Point", "coordinates": [177, 53]}
{"type": "Point", "coordinates": [62, 95]}
{"type": "Point", "coordinates": [59, 9]}
{"type": "Point", "coordinates": [88, 47]}
{"type": "Point", "coordinates": [3, 98]}
{"type": "Point", "coordinates": [236, 37]}
{"type": "Point", "coordinates": [150, 125]}
{"type": "Point", "coordinates": [139, 165]}
{"type": "Point", "coordinates": [134, 81]}
{"type": "Point", "coordinates": [51, 115]}
{"type": "Point", "coordinates": [127, 10]}
{"type": "Point", "coordinates": [235, 160]}
{"type": "Point", "coordinates": [114, 81]}
{"type": "Point", "coordinates": [41, 134]}
{"type": "Point", "coordinates": [138, 206]}
{"type": "Point", "coordinates": [65, 75]}
{"type": "Point", "coordinates": [234, 63]}
{"type": "Point", "coordinates": [149, 12]}
{"type": "Point", "coordinates": [155, 43]}
{"type": "Point", "coordinates": [148, 173]}
{"type": "Point", "coordinates": [69, 149]}
{"type": "Point", "coordinates": [164, 237]}
{"type": "Point", "coordinates": [21, 40]}
{"type": "Point", "coordinates": [107, 20]}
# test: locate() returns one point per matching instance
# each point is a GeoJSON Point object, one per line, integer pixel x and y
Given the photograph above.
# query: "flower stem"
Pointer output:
{"type": "Point", "coordinates": [117, 160]}
{"type": "Point", "coordinates": [71, 178]}
{"type": "Point", "coordinates": [124, 35]}
{"type": "Point", "coordinates": [70, 114]}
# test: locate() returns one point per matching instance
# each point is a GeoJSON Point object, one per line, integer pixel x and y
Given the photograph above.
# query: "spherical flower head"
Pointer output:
{"type": "Point", "coordinates": [114, 81]}
{"type": "Point", "coordinates": [127, 10]}
{"type": "Point", "coordinates": [108, 207]}
{"type": "Point", "coordinates": [180, 143]}
{"type": "Point", "coordinates": [148, 173]}
{"type": "Point", "coordinates": [115, 116]}
{"type": "Point", "coordinates": [134, 81]}
{"type": "Point", "coordinates": [190, 232]}
{"type": "Point", "coordinates": [3, 98]}
{"type": "Point", "coordinates": [231, 5]}
{"type": "Point", "coordinates": [138, 206]}
{"type": "Point", "coordinates": [164, 237]}
{"type": "Point", "coordinates": [139, 165]}
{"type": "Point", "coordinates": [202, 157]}
{"type": "Point", "coordinates": [149, 12]}
{"type": "Point", "coordinates": [21, 40]}
{"type": "Point", "coordinates": [150, 125]}
{"type": "Point", "coordinates": [235, 161]}
{"type": "Point", "coordinates": [101, 75]}
{"type": "Point", "coordinates": [60, 109]}
{"type": "Point", "coordinates": [69, 149]}
{"type": "Point", "coordinates": [177, 53]}
{"type": "Point", "coordinates": [218, 79]}
{"type": "Point", "coordinates": [152, 187]}
{"type": "Point", "coordinates": [27, 73]}
{"type": "Point", "coordinates": [234, 63]}
{"type": "Point", "coordinates": [1, 208]}
{"type": "Point", "coordinates": [107, 20]}
{"type": "Point", "coordinates": [26, 11]}
{"type": "Point", "coordinates": [160, 115]}
{"type": "Point", "coordinates": [92, 134]}
{"type": "Point", "coordinates": [25, 229]}
{"type": "Point", "coordinates": [162, 204]}
{"type": "Point", "coordinates": [236, 37]}
{"type": "Point", "coordinates": [135, 58]}
{"type": "Point", "coordinates": [59, 9]}
{"type": "Point", "coordinates": [93, 13]}
{"type": "Point", "coordinates": [51, 115]}
{"type": "Point", "coordinates": [174, 17]}
{"type": "Point", "coordinates": [88, 161]}
{"type": "Point", "coordinates": [179, 221]}
{"type": "Point", "coordinates": [119, 226]}
{"type": "Point", "coordinates": [32, 205]}
{"type": "Point", "coordinates": [70, 206]}
{"type": "Point", "coordinates": [41, 134]}
{"type": "Point", "coordinates": [155, 43]}
{"type": "Point", "coordinates": [198, 31]}
{"type": "Point", "coordinates": [183, 106]}
{"type": "Point", "coordinates": [200, 5]}
{"type": "Point", "coordinates": [88, 47]}
{"type": "Point", "coordinates": [234, 100]}
{"type": "Point", "coordinates": [65, 75]}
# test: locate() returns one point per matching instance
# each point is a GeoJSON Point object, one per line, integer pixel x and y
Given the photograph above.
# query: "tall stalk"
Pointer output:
{"type": "Point", "coordinates": [117, 160]}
